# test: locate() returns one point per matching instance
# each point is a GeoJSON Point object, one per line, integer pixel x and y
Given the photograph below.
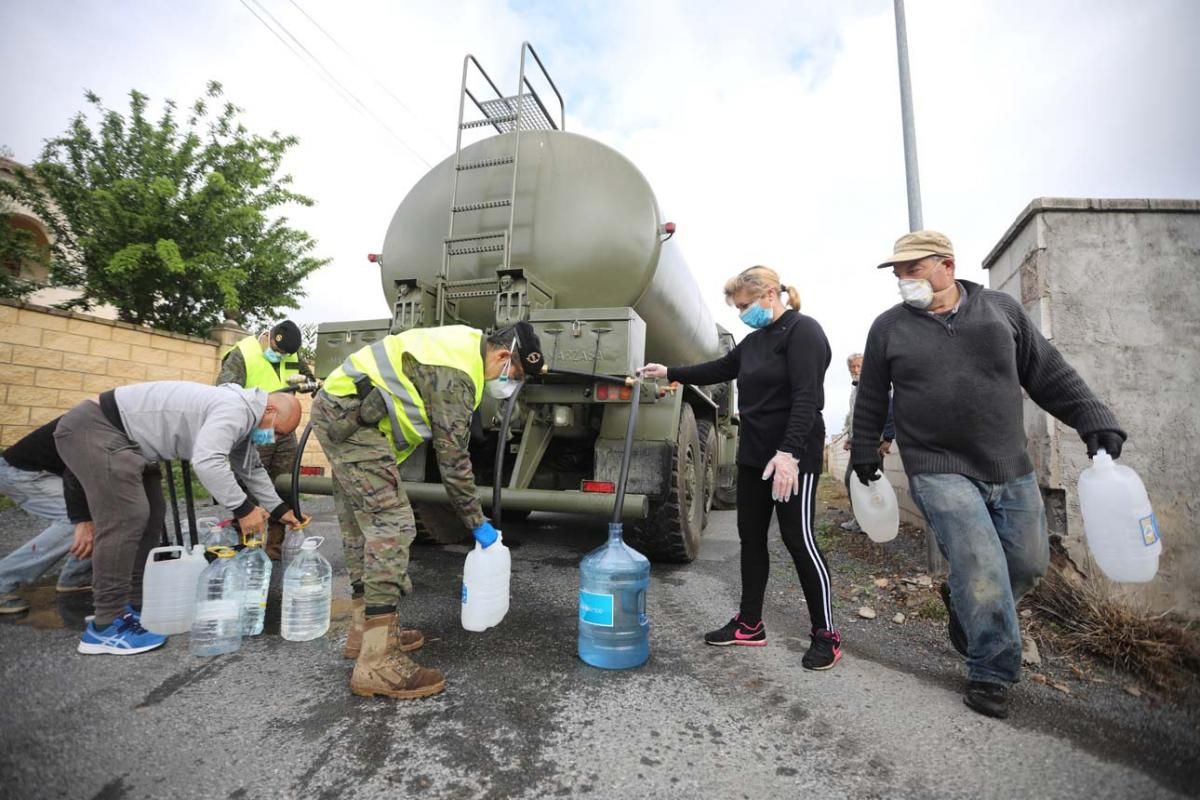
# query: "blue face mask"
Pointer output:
{"type": "Point", "coordinates": [262, 436]}
{"type": "Point", "coordinates": [272, 355]}
{"type": "Point", "coordinates": [756, 316]}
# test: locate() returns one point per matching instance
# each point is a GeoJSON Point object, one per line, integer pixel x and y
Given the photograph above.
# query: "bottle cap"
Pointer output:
{"type": "Point", "coordinates": [222, 552]}
{"type": "Point", "coordinates": [312, 542]}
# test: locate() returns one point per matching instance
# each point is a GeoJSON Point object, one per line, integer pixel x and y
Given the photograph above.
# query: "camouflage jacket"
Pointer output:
{"type": "Point", "coordinates": [449, 399]}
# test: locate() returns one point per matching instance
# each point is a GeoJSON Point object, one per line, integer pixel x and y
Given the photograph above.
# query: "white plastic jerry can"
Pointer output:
{"type": "Point", "coordinates": [169, 588]}
{"type": "Point", "coordinates": [875, 507]}
{"type": "Point", "coordinates": [1118, 522]}
{"type": "Point", "coordinates": [485, 586]}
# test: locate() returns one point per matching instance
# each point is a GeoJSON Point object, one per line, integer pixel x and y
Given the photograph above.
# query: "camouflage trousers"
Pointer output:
{"type": "Point", "coordinates": [377, 522]}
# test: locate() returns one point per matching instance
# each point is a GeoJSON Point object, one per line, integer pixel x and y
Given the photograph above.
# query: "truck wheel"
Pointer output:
{"type": "Point", "coordinates": [672, 531]}
{"type": "Point", "coordinates": [707, 433]}
{"type": "Point", "coordinates": [439, 524]}
{"type": "Point", "coordinates": [725, 497]}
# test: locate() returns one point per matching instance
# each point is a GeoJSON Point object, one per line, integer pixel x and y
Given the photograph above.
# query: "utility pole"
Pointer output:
{"type": "Point", "coordinates": [933, 556]}
{"type": "Point", "coordinates": [911, 173]}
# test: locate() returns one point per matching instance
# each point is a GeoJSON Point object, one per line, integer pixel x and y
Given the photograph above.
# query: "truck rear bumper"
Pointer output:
{"type": "Point", "coordinates": [636, 506]}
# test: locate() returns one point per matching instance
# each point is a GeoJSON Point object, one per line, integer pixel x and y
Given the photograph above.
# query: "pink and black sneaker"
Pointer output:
{"type": "Point", "coordinates": [825, 651]}
{"type": "Point", "coordinates": [737, 632]}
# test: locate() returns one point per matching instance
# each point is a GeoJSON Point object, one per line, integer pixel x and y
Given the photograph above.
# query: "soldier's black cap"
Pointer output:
{"type": "Point", "coordinates": [285, 337]}
{"type": "Point", "coordinates": [529, 350]}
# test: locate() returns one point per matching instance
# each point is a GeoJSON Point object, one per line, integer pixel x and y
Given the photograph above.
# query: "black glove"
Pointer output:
{"type": "Point", "coordinates": [1109, 441]}
{"type": "Point", "coordinates": [867, 472]}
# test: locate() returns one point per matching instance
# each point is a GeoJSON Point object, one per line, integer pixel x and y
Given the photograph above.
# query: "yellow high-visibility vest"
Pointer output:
{"type": "Point", "coordinates": [260, 373]}
{"type": "Point", "coordinates": [456, 346]}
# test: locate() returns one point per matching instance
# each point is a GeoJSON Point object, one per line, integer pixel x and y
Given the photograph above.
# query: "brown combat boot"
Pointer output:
{"type": "Point", "coordinates": [409, 639]}
{"type": "Point", "coordinates": [381, 669]}
{"type": "Point", "coordinates": [274, 545]}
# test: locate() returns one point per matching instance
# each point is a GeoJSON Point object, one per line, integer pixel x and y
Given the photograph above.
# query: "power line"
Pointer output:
{"type": "Point", "coordinates": [365, 69]}
{"type": "Point", "coordinates": [328, 76]}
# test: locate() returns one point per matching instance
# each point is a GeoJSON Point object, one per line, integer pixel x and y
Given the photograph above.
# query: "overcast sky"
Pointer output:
{"type": "Point", "coordinates": [770, 131]}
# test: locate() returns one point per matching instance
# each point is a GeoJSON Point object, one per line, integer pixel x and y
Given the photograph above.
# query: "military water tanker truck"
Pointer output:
{"type": "Point", "coordinates": [535, 223]}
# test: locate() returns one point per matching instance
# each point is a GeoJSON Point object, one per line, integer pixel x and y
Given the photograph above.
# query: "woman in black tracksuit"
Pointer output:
{"type": "Point", "coordinates": [780, 371]}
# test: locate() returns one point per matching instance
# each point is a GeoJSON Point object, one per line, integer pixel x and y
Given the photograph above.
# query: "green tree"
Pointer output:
{"type": "Point", "coordinates": [17, 247]}
{"type": "Point", "coordinates": [173, 225]}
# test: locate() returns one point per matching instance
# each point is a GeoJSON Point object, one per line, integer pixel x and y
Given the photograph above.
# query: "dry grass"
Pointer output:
{"type": "Point", "coordinates": [1086, 620]}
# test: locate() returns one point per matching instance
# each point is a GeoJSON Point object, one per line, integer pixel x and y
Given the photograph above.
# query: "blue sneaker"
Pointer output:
{"type": "Point", "coordinates": [124, 637]}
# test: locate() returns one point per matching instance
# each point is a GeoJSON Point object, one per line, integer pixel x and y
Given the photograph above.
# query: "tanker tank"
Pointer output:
{"type": "Point", "coordinates": [586, 224]}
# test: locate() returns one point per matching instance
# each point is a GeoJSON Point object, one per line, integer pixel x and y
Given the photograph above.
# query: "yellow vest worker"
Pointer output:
{"type": "Point", "coordinates": [266, 361]}
{"type": "Point", "coordinates": [371, 414]}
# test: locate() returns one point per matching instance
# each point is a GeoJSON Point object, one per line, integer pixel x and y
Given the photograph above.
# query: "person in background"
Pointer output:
{"type": "Point", "coordinates": [31, 475]}
{"type": "Point", "coordinates": [957, 357]}
{"type": "Point", "coordinates": [269, 362]}
{"type": "Point", "coordinates": [780, 370]}
{"type": "Point", "coordinates": [383, 402]}
{"type": "Point", "coordinates": [111, 443]}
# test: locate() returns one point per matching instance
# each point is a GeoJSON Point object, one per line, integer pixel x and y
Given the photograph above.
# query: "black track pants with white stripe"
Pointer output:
{"type": "Point", "coordinates": [754, 507]}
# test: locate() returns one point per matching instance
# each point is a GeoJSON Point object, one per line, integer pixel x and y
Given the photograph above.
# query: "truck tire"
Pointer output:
{"type": "Point", "coordinates": [707, 433]}
{"type": "Point", "coordinates": [672, 531]}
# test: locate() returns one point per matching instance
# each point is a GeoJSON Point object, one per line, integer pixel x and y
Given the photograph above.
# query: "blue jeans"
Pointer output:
{"type": "Point", "coordinates": [40, 494]}
{"type": "Point", "coordinates": [994, 536]}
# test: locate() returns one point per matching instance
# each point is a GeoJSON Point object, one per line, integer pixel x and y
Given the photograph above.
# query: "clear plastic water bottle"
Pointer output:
{"type": "Point", "coordinates": [485, 587]}
{"type": "Point", "coordinates": [1118, 522]}
{"type": "Point", "coordinates": [257, 569]}
{"type": "Point", "coordinates": [875, 508]}
{"type": "Point", "coordinates": [307, 594]}
{"type": "Point", "coordinates": [212, 532]}
{"type": "Point", "coordinates": [169, 588]}
{"type": "Point", "coordinates": [291, 547]}
{"type": "Point", "coordinates": [217, 624]}
{"type": "Point", "coordinates": [614, 632]}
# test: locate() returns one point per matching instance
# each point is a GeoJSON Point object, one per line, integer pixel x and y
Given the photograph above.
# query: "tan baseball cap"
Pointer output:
{"type": "Point", "coordinates": [917, 245]}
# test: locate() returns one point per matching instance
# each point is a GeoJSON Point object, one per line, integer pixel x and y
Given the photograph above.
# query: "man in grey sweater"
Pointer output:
{"type": "Point", "coordinates": [108, 442]}
{"type": "Point", "coordinates": [957, 357]}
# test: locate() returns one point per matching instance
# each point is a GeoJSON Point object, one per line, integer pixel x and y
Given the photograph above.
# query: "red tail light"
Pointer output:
{"type": "Point", "coordinates": [598, 487]}
{"type": "Point", "coordinates": [602, 391]}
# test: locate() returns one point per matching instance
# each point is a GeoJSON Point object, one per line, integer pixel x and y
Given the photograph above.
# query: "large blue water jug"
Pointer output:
{"type": "Point", "coordinates": [614, 632]}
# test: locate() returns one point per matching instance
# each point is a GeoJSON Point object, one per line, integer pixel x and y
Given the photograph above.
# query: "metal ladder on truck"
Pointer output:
{"type": "Point", "coordinates": [523, 111]}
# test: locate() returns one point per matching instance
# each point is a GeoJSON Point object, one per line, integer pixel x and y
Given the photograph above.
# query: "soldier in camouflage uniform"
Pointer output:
{"type": "Point", "coordinates": [420, 385]}
{"type": "Point", "coordinates": [267, 362]}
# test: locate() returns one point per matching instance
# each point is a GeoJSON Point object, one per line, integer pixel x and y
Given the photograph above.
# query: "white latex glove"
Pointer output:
{"type": "Point", "coordinates": [786, 469]}
{"type": "Point", "coordinates": [652, 371]}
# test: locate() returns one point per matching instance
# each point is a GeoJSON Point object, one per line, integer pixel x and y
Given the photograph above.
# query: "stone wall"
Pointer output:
{"type": "Point", "coordinates": [51, 360]}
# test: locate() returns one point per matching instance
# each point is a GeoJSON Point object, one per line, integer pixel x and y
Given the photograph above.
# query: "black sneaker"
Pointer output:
{"type": "Point", "coordinates": [739, 633]}
{"type": "Point", "coordinates": [989, 699]}
{"type": "Point", "coordinates": [825, 651]}
{"type": "Point", "coordinates": [958, 637]}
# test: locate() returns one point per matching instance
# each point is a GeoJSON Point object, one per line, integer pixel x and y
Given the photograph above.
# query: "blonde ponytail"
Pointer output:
{"type": "Point", "coordinates": [758, 280]}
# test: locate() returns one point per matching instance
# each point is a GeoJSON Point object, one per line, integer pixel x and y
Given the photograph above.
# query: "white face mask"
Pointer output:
{"type": "Point", "coordinates": [502, 387]}
{"type": "Point", "coordinates": [916, 292]}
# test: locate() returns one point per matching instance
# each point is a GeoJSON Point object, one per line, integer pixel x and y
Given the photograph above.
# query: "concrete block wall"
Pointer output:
{"type": "Point", "coordinates": [50, 360]}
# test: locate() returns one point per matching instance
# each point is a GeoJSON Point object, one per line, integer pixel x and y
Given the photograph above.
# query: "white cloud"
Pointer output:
{"type": "Point", "coordinates": [770, 131]}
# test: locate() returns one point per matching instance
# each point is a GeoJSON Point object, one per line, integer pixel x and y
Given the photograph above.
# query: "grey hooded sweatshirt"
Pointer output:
{"type": "Point", "coordinates": [207, 425]}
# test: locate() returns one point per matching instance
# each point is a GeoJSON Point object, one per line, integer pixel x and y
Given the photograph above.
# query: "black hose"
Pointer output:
{"type": "Point", "coordinates": [174, 505]}
{"type": "Point", "coordinates": [625, 457]}
{"type": "Point", "coordinates": [295, 498]}
{"type": "Point", "coordinates": [185, 469]}
{"type": "Point", "coordinates": [501, 446]}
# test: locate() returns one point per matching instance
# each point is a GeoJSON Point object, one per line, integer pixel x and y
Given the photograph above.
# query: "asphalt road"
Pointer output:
{"type": "Point", "coordinates": [522, 717]}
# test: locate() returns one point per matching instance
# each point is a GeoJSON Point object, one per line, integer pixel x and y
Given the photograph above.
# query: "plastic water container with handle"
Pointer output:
{"type": "Point", "coordinates": [217, 627]}
{"type": "Point", "coordinates": [307, 594]}
{"type": "Point", "coordinates": [485, 586]}
{"type": "Point", "coordinates": [169, 588]}
{"type": "Point", "coordinates": [875, 508]}
{"type": "Point", "coordinates": [1118, 522]}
